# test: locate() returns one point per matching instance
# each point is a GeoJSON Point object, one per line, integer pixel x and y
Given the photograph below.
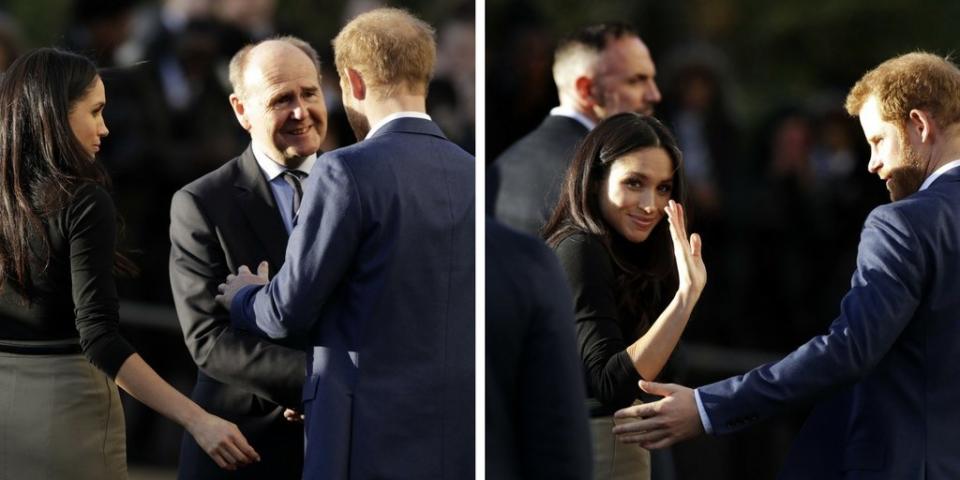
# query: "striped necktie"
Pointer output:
{"type": "Point", "coordinates": [294, 178]}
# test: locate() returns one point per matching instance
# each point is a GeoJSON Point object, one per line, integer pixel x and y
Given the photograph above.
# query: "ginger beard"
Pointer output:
{"type": "Point", "coordinates": [906, 178]}
{"type": "Point", "coordinates": [358, 122]}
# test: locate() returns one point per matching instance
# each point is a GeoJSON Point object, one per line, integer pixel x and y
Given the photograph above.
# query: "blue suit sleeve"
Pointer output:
{"type": "Point", "coordinates": [319, 252]}
{"type": "Point", "coordinates": [885, 291]}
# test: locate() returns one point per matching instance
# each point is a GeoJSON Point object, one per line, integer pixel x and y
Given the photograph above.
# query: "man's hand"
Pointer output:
{"type": "Point", "coordinates": [292, 415]}
{"type": "Point", "coordinates": [660, 424]}
{"type": "Point", "coordinates": [243, 278]}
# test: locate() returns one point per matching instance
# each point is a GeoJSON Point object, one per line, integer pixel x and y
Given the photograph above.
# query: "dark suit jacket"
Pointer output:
{"type": "Point", "coordinates": [379, 277]}
{"type": "Point", "coordinates": [536, 418]}
{"type": "Point", "coordinates": [225, 219]}
{"type": "Point", "coordinates": [888, 365]}
{"type": "Point", "coordinates": [530, 173]}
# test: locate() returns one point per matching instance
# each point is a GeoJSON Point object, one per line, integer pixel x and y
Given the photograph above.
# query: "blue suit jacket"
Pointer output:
{"type": "Point", "coordinates": [888, 370]}
{"type": "Point", "coordinates": [379, 277]}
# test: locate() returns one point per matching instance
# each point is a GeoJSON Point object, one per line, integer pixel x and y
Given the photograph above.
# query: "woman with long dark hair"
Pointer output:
{"type": "Point", "coordinates": [622, 263]}
{"type": "Point", "coordinates": [60, 345]}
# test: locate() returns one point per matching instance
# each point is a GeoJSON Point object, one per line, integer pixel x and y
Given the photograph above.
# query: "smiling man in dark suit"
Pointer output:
{"type": "Point", "coordinates": [886, 372]}
{"type": "Point", "coordinates": [241, 214]}
{"type": "Point", "coordinates": [600, 70]}
{"type": "Point", "coordinates": [379, 277]}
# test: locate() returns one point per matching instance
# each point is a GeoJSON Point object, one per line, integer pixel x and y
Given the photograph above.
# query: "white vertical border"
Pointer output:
{"type": "Point", "coordinates": [480, 266]}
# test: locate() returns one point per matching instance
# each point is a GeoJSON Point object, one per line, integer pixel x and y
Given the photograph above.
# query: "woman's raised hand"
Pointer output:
{"type": "Point", "coordinates": [692, 272]}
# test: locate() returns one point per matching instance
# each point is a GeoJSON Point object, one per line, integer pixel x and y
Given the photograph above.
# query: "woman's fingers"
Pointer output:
{"type": "Point", "coordinates": [677, 229]}
{"type": "Point", "coordinates": [246, 450]}
{"type": "Point", "coordinates": [218, 459]}
{"type": "Point", "coordinates": [234, 451]}
{"type": "Point", "coordinates": [224, 451]}
{"type": "Point", "coordinates": [696, 244]}
{"type": "Point", "coordinates": [681, 220]}
{"type": "Point", "coordinates": [224, 443]}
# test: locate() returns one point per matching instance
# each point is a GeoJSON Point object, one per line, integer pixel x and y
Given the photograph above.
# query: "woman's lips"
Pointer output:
{"type": "Point", "coordinates": [642, 222]}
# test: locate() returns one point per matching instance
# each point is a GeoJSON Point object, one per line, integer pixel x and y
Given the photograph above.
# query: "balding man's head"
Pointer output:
{"type": "Point", "coordinates": [277, 98]}
{"type": "Point", "coordinates": [605, 69]}
{"type": "Point", "coordinates": [264, 51]}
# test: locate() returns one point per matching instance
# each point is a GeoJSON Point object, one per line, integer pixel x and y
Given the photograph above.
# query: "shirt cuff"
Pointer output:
{"type": "Point", "coordinates": [704, 419]}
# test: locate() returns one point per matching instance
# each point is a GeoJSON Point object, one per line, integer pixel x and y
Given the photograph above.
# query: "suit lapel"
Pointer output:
{"type": "Point", "coordinates": [260, 209]}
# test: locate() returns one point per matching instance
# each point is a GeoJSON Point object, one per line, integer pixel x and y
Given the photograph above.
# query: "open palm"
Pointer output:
{"type": "Point", "coordinates": [686, 250]}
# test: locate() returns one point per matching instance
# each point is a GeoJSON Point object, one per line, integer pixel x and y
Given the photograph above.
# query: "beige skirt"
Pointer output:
{"type": "Point", "coordinates": [613, 460]}
{"type": "Point", "coordinates": [60, 418]}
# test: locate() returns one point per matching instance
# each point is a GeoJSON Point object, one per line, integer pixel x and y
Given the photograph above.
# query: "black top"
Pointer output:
{"type": "Point", "coordinates": [530, 331]}
{"type": "Point", "coordinates": [604, 330]}
{"type": "Point", "coordinates": [77, 285]}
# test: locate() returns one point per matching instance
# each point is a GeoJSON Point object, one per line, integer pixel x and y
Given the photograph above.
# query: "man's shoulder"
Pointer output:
{"type": "Point", "coordinates": [222, 178]}
{"type": "Point", "coordinates": [373, 151]}
{"type": "Point", "coordinates": [923, 215]}
{"type": "Point", "coordinates": [923, 205]}
{"type": "Point", "coordinates": [504, 240]}
{"type": "Point", "coordinates": [554, 138]}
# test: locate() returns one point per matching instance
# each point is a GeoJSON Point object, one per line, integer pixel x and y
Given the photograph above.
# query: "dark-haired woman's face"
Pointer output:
{"type": "Point", "coordinates": [636, 191]}
{"type": "Point", "coordinates": [86, 118]}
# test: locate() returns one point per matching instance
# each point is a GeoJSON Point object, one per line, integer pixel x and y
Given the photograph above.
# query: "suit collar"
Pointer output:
{"type": "Point", "coordinates": [563, 111]}
{"type": "Point", "coordinates": [567, 123]}
{"type": "Point", "coordinates": [410, 125]}
{"type": "Point", "coordinates": [260, 209]}
{"type": "Point", "coordinates": [951, 169]}
{"type": "Point", "coordinates": [251, 177]}
{"type": "Point", "coordinates": [393, 116]}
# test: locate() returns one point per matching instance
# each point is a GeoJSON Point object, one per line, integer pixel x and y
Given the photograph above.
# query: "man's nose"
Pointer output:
{"type": "Point", "coordinates": [653, 93]}
{"type": "Point", "coordinates": [874, 164]}
{"type": "Point", "coordinates": [299, 111]}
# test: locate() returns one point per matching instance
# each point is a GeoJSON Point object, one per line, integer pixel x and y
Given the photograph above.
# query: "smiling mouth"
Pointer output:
{"type": "Point", "coordinates": [299, 131]}
{"type": "Point", "coordinates": [644, 223]}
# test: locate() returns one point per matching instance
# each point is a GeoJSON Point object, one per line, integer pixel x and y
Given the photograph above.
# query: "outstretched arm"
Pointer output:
{"type": "Point", "coordinates": [886, 290]}
{"type": "Point", "coordinates": [221, 439]}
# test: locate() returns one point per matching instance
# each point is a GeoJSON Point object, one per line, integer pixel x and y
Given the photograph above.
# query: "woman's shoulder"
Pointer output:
{"type": "Point", "coordinates": [584, 256]}
{"type": "Point", "coordinates": [88, 200]}
{"type": "Point", "coordinates": [89, 193]}
{"type": "Point", "coordinates": [580, 244]}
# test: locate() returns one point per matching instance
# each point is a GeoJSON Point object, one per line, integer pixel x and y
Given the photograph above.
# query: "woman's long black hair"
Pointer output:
{"type": "Point", "coordinates": [647, 268]}
{"type": "Point", "coordinates": [42, 164]}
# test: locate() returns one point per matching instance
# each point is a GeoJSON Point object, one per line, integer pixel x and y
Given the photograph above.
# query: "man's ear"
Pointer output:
{"type": "Point", "coordinates": [239, 111]}
{"type": "Point", "coordinates": [583, 85]}
{"type": "Point", "coordinates": [922, 124]}
{"type": "Point", "coordinates": [358, 87]}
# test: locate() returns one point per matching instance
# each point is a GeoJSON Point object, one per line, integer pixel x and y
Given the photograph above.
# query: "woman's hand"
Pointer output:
{"type": "Point", "coordinates": [223, 441]}
{"type": "Point", "coordinates": [692, 272]}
